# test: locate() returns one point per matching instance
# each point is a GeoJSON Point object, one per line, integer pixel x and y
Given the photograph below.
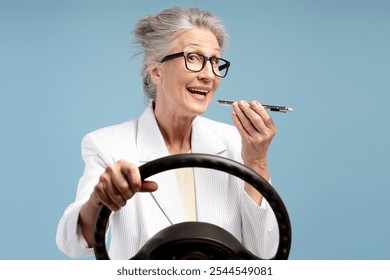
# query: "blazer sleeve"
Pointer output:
{"type": "Point", "coordinates": [69, 238]}
{"type": "Point", "coordinates": [260, 232]}
{"type": "Point", "coordinates": [259, 228]}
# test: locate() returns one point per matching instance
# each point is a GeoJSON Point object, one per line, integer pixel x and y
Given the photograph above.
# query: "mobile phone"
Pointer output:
{"type": "Point", "coordinates": [273, 108]}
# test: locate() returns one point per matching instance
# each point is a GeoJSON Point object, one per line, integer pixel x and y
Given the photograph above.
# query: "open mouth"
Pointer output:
{"type": "Point", "coordinates": [198, 91]}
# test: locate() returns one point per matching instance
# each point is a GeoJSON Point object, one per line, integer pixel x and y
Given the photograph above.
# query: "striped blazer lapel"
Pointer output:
{"type": "Point", "coordinates": [150, 146]}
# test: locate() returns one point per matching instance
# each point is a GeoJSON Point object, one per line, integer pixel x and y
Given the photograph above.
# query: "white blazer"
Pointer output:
{"type": "Point", "coordinates": [220, 197]}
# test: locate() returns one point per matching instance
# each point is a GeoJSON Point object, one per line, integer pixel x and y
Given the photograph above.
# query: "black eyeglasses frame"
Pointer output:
{"type": "Point", "coordinates": [206, 58]}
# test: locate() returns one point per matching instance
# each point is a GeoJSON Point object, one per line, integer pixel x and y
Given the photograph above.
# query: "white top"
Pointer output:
{"type": "Point", "coordinates": [185, 182]}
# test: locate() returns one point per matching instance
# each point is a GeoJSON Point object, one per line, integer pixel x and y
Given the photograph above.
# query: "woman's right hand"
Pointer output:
{"type": "Point", "coordinates": [118, 183]}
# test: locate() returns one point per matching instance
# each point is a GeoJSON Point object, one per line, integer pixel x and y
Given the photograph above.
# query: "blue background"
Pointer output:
{"type": "Point", "coordinates": [66, 68]}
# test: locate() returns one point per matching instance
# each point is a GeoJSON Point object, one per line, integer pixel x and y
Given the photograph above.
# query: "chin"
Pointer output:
{"type": "Point", "coordinates": [199, 109]}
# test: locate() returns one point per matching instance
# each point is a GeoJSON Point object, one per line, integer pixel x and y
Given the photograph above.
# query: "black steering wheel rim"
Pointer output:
{"type": "Point", "coordinates": [212, 162]}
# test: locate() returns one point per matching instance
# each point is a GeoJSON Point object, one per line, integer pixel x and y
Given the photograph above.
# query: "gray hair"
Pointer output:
{"type": "Point", "coordinates": [156, 33]}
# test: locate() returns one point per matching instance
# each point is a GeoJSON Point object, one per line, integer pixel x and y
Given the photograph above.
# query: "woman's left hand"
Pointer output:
{"type": "Point", "coordinates": [257, 130]}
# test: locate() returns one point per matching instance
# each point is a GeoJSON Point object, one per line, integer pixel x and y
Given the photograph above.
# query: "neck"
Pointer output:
{"type": "Point", "coordinates": [176, 131]}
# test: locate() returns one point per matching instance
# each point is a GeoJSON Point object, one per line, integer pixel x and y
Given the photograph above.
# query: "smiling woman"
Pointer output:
{"type": "Point", "coordinates": [181, 72]}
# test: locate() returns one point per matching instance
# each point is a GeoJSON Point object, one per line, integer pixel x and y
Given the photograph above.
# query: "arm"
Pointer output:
{"type": "Point", "coordinates": [257, 131]}
{"type": "Point", "coordinates": [260, 231]}
{"type": "Point", "coordinates": [118, 183]}
{"type": "Point", "coordinates": [101, 182]}
{"type": "Point", "coordinates": [69, 237]}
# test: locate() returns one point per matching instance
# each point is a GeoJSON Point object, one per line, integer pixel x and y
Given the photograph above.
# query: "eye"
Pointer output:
{"type": "Point", "coordinates": [215, 60]}
{"type": "Point", "coordinates": [194, 58]}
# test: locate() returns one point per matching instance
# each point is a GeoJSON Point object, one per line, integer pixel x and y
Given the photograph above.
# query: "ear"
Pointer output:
{"type": "Point", "coordinates": [155, 74]}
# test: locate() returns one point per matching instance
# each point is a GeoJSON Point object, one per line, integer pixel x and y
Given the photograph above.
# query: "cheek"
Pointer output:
{"type": "Point", "coordinates": [179, 79]}
{"type": "Point", "coordinates": [173, 83]}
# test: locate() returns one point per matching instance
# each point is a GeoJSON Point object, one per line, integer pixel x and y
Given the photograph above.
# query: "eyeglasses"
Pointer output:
{"type": "Point", "coordinates": [195, 62]}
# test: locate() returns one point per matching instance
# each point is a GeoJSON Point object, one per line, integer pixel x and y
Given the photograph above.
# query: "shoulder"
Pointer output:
{"type": "Point", "coordinates": [125, 129]}
{"type": "Point", "coordinates": [111, 143]}
{"type": "Point", "coordinates": [111, 138]}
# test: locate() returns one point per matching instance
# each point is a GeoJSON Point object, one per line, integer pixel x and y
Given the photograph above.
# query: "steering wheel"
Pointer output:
{"type": "Point", "coordinates": [199, 240]}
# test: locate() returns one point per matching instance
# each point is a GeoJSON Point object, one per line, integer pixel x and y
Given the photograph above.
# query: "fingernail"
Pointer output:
{"type": "Point", "coordinates": [255, 103]}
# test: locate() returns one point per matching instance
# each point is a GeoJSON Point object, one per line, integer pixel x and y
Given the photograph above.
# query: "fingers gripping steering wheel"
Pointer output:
{"type": "Point", "coordinates": [198, 240]}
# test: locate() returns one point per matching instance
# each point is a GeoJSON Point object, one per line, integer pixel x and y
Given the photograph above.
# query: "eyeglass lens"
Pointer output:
{"type": "Point", "coordinates": [196, 62]}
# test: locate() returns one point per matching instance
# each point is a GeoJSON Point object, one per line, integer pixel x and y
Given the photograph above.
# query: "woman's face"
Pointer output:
{"type": "Point", "coordinates": [181, 91]}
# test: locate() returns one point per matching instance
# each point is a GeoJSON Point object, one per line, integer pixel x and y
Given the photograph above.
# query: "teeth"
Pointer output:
{"type": "Point", "coordinates": [202, 91]}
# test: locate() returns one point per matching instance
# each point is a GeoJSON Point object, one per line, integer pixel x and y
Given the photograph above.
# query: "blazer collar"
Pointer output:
{"type": "Point", "coordinates": [151, 145]}
{"type": "Point", "coordinates": [204, 139]}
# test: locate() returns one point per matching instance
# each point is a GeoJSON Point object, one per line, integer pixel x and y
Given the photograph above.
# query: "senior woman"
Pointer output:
{"type": "Point", "coordinates": [181, 73]}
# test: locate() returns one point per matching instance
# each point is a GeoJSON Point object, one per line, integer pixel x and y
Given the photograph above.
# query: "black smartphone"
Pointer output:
{"type": "Point", "coordinates": [274, 108]}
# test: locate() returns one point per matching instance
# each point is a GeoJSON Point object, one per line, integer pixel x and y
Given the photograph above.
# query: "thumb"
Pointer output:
{"type": "Point", "coordinates": [148, 186]}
